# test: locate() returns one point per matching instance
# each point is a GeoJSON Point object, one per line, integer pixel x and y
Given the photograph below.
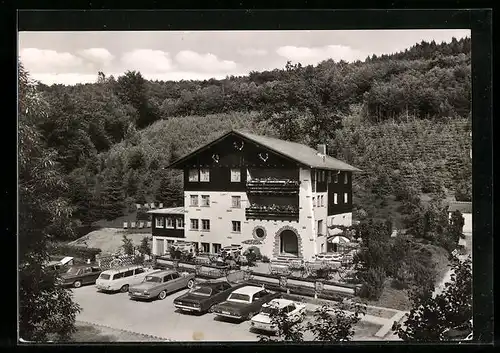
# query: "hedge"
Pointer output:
{"type": "Point", "coordinates": [74, 251]}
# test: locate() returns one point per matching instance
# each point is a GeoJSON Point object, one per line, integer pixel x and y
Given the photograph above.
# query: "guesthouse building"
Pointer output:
{"type": "Point", "coordinates": [252, 190]}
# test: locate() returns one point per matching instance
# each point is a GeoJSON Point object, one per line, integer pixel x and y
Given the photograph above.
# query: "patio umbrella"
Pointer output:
{"type": "Point", "coordinates": [334, 231]}
{"type": "Point", "coordinates": [338, 239]}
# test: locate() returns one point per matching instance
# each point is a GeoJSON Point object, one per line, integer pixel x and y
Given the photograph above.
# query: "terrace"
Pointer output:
{"type": "Point", "coordinates": [272, 212]}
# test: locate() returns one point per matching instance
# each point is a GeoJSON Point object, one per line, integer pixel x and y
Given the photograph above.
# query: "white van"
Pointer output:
{"type": "Point", "coordinates": [120, 279]}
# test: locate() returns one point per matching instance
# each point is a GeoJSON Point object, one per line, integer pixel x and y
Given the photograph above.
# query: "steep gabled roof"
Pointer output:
{"type": "Point", "coordinates": [297, 152]}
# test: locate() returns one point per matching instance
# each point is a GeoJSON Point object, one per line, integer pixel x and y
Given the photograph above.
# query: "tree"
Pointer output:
{"type": "Point", "coordinates": [170, 191]}
{"type": "Point", "coordinates": [45, 310]}
{"type": "Point", "coordinates": [145, 247]}
{"type": "Point", "coordinates": [432, 315]}
{"type": "Point", "coordinates": [127, 245]}
{"type": "Point", "coordinates": [113, 195]}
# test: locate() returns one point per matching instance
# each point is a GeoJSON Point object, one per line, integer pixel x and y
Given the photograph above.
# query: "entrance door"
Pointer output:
{"type": "Point", "coordinates": [160, 247]}
{"type": "Point", "coordinates": [289, 243]}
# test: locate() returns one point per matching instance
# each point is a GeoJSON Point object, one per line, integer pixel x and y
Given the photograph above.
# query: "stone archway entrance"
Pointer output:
{"type": "Point", "coordinates": [289, 243]}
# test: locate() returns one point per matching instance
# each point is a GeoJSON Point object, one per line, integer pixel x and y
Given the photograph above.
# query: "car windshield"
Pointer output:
{"type": "Point", "coordinates": [202, 291]}
{"type": "Point", "coordinates": [269, 310]}
{"type": "Point", "coordinates": [239, 297]}
{"type": "Point", "coordinates": [104, 276]}
{"type": "Point", "coordinates": [73, 271]}
{"type": "Point", "coordinates": [153, 279]}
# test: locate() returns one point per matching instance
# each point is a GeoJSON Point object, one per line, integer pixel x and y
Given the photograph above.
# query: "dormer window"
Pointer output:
{"type": "Point", "coordinates": [345, 178]}
{"type": "Point", "coordinates": [235, 175]}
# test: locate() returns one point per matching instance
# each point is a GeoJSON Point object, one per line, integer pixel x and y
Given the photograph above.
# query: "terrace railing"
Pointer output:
{"type": "Point", "coordinates": [272, 213]}
{"type": "Point", "coordinates": [273, 186]}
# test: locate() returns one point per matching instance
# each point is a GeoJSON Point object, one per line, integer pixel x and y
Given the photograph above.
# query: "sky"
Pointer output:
{"type": "Point", "coordinates": [76, 57]}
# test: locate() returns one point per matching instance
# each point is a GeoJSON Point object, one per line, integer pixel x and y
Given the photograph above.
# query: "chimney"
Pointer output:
{"type": "Point", "coordinates": [321, 149]}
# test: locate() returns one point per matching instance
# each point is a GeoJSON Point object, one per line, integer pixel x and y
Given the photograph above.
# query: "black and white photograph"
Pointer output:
{"type": "Point", "coordinates": [245, 186]}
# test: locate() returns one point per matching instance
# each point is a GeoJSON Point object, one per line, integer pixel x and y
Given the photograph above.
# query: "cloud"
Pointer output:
{"type": "Point", "coordinates": [97, 55]}
{"type": "Point", "coordinates": [64, 78]}
{"type": "Point", "coordinates": [252, 52]}
{"type": "Point", "coordinates": [312, 56]}
{"type": "Point", "coordinates": [147, 60]}
{"type": "Point", "coordinates": [191, 60]}
{"type": "Point", "coordinates": [44, 60]}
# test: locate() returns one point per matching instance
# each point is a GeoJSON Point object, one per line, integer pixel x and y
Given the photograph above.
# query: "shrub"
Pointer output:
{"type": "Point", "coordinates": [256, 251]}
{"type": "Point", "coordinates": [265, 259]}
{"type": "Point", "coordinates": [373, 283]}
{"type": "Point", "coordinates": [74, 251]}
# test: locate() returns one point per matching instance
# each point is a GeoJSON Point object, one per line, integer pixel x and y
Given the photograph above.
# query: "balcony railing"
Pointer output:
{"type": "Point", "coordinates": [273, 186]}
{"type": "Point", "coordinates": [288, 213]}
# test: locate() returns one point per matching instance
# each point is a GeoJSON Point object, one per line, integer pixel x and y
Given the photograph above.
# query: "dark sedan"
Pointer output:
{"type": "Point", "coordinates": [203, 296]}
{"type": "Point", "coordinates": [244, 303]}
{"type": "Point", "coordinates": [81, 274]}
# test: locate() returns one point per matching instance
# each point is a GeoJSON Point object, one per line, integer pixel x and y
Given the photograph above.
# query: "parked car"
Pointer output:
{"type": "Point", "coordinates": [263, 320]}
{"type": "Point", "coordinates": [78, 275]}
{"type": "Point", "coordinates": [205, 295]}
{"type": "Point", "coordinates": [121, 279]}
{"type": "Point", "coordinates": [159, 284]}
{"type": "Point", "coordinates": [244, 303]}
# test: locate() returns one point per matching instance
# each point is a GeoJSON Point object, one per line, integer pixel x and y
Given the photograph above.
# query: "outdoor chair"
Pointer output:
{"type": "Point", "coordinates": [141, 225]}
{"type": "Point", "coordinates": [153, 205]}
{"type": "Point", "coordinates": [132, 224]}
{"type": "Point", "coordinates": [138, 206]}
{"type": "Point", "coordinates": [125, 225]}
{"type": "Point", "coordinates": [146, 205]}
{"type": "Point", "coordinates": [149, 224]}
{"type": "Point", "coordinates": [160, 205]}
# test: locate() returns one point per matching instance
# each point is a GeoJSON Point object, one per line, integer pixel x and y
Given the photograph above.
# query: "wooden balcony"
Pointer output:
{"type": "Point", "coordinates": [272, 214]}
{"type": "Point", "coordinates": [273, 186]}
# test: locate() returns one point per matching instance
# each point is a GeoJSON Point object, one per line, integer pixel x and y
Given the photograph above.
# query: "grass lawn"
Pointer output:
{"type": "Point", "coordinates": [109, 240]}
{"type": "Point", "coordinates": [93, 333]}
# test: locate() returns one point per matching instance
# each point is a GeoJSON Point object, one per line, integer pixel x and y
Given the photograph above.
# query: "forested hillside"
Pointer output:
{"type": "Point", "coordinates": [404, 119]}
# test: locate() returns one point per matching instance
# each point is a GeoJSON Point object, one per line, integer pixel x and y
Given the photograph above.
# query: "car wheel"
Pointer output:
{"type": "Point", "coordinates": [162, 295]}
{"type": "Point", "coordinates": [77, 284]}
{"type": "Point", "coordinates": [190, 284]}
{"type": "Point", "coordinates": [124, 288]}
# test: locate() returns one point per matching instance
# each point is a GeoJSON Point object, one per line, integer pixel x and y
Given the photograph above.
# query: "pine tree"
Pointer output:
{"type": "Point", "coordinates": [170, 191]}
{"type": "Point", "coordinates": [113, 195]}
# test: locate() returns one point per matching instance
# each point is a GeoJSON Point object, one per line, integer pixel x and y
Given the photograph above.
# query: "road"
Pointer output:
{"type": "Point", "coordinates": [160, 318]}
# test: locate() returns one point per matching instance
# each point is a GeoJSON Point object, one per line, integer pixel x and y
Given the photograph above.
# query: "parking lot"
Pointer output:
{"type": "Point", "coordinates": [161, 319]}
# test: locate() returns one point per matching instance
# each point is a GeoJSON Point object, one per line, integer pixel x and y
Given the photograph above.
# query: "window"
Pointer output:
{"type": "Point", "coordinates": [167, 278]}
{"type": "Point", "coordinates": [314, 201]}
{"type": "Point", "coordinates": [235, 175]}
{"type": "Point", "coordinates": [160, 222]}
{"type": "Point", "coordinates": [205, 224]}
{"type": "Point", "coordinates": [205, 200]}
{"type": "Point", "coordinates": [87, 270]}
{"type": "Point", "coordinates": [128, 273]}
{"type": "Point", "coordinates": [205, 247]}
{"type": "Point", "coordinates": [329, 177]}
{"type": "Point", "coordinates": [205, 175]}
{"type": "Point", "coordinates": [175, 275]}
{"type": "Point", "coordinates": [216, 248]}
{"type": "Point", "coordinates": [194, 201]}
{"type": "Point", "coordinates": [193, 175]}
{"type": "Point", "coordinates": [320, 227]}
{"type": "Point", "coordinates": [336, 178]}
{"type": "Point", "coordinates": [170, 243]}
{"type": "Point", "coordinates": [323, 178]}
{"type": "Point", "coordinates": [180, 223]}
{"type": "Point", "coordinates": [322, 200]}
{"type": "Point", "coordinates": [236, 201]}
{"type": "Point", "coordinates": [345, 197]}
{"type": "Point", "coordinates": [118, 275]}
{"type": "Point", "coordinates": [236, 226]}
{"type": "Point", "coordinates": [139, 271]}
{"type": "Point", "coordinates": [194, 224]}
{"type": "Point", "coordinates": [260, 233]}
{"type": "Point", "coordinates": [345, 178]}
{"type": "Point", "coordinates": [170, 222]}
{"type": "Point", "coordinates": [335, 201]}
{"type": "Point", "coordinates": [96, 269]}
